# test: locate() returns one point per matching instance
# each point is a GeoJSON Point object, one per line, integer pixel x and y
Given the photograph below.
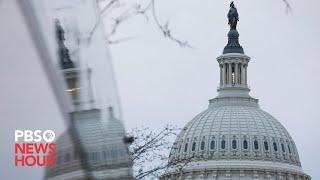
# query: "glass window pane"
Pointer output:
{"type": "Point", "coordinates": [194, 146]}
{"type": "Point", "coordinates": [223, 144]}
{"type": "Point", "coordinates": [186, 147]}
{"type": "Point", "coordinates": [275, 147]}
{"type": "Point", "coordinates": [256, 145]}
{"type": "Point", "coordinates": [283, 149]}
{"type": "Point", "coordinates": [245, 144]}
{"type": "Point", "coordinates": [266, 146]}
{"type": "Point", "coordinates": [202, 145]}
{"type": "Point", "coordinates": [212, 144]}
{"type": "Point", "coordinates": [234, 144]}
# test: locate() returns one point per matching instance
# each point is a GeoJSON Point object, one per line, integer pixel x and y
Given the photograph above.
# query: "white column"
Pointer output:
{"type": "Point", "coordinates": [225, 74]}
{"type": "Point", "coordinates": [230, 74]}
{"type": "Point", "coordinates": [221, 78]}
{"type": "Point", "coordinates": [245, 72]}
{"type": "Point", "coordinates": [242, 75]}
{"type": "Point", "coordinates": [236, 74]}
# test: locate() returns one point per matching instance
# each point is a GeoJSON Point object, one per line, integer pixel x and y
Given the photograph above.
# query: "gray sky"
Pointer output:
{"type": "Point", "coordinates": [160, 82]}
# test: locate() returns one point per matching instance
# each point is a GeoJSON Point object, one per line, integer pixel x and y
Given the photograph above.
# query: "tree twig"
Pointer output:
{"type": "Point", "coordinates": [288, 6]}
{"type": "Point", "coordinates": [165, 29]}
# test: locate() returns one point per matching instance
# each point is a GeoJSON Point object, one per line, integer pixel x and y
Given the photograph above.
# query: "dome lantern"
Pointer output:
{"type": "Point", "coordinates": [233, 62]}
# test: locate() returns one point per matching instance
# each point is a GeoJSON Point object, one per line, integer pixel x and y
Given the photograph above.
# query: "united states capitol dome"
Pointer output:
{"type": "Point", "coordinates": [236, 129]}
{"type": "Point", "coordinates": [95, 145]}
{"type": "Point", "coordinates": [106, 153]}
{"type": "Point", "coordinates": [233, 138]}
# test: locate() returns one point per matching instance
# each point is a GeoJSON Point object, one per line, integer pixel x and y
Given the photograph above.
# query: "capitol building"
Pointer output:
{"type": "Point", "coordinates": [95, 145]}
{"type": "Point", "coordinates": [234, 138]}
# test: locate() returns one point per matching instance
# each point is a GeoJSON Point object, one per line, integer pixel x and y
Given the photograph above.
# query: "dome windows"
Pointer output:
{"type": "Point", "coordinates": [212, 144]}
{"type": "Point", "coordinates": [266, 146]}
{"type": "Point", "coordinates": [245, 144]}
{"type": "Point", "coordinates": [202, 145]}
{"type": "Point", "coordinates": [256, 144]}
{"type": "Point", "coordinates": [186, 147]}
{"type": "Point", "coordinates": [223, 144]}
{"type": "Point", "coordinates": [275, 147]}
{"type": "Point", "coordinates": [193, 146]}
{"type": "Point", "coordinates": [289, 149]}
{"type": "Point", "coordinates": [282, 147]}
{"type": "Point", "coordinates": [234, 144]}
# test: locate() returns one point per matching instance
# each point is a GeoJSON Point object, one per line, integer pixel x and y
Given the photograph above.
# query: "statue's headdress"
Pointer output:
{"type": "Point", "coordinates": [232, 4]}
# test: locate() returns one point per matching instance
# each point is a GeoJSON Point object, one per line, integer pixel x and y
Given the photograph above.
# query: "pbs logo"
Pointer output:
{"type": "Point", "coordinates": [34, 136]}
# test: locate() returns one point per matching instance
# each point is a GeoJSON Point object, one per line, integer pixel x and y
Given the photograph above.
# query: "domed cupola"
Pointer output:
{"type": "Point", "coordinates": [94, 145]}
{"type": "Point", "coordinates": [233, 138]}
{"type": "Point", "coordinates": [106, 153]}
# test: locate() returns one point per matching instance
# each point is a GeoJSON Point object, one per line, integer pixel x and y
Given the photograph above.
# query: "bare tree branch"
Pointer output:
{"type": "Point", "coordinates": [138, 9]}
{"type": "Point", "coordinates": [165, 28]}
{"type": "Point", "coordinates": [150, 152]}
{"type": "Point", "coordinates": [288, 6]}
{"type": "Point", "coordinates": [120, 40]}
{"type": "Point", "coordinates": [135, 10]}
{"type": "Point", "coordinates": [132, 11]}
{"type": "Point", "coordinates": [108, 6]}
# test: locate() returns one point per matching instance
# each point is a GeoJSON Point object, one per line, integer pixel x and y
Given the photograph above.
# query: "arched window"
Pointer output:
{"type": "Point", "coordinates": [223, 144]}
{"type": "Point", "coordinates": [289, 149]}
{"type": "Point", "coordinates": [234, 144]}
{"type": "Point", "coordinates": [212, 144]}
{"type": "Point", "coordinates": [245, 144]}
{"type": "Point", "coordinates": [275, 147]}
{"type": "Point", "coordinates": [255, 144]}
{"type": "Point", "coordinates": [193, 146]}
{"type": "Point", "coordinates": [266, 146]}
{"type": "Point", "coordinates": [186, 147]}
{"type": "Point", "coordinates": [282, 147]}
{"type": "Point", "coordinates": [202, 145]}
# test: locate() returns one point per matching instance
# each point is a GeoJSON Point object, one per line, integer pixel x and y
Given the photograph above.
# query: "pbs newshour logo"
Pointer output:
{"type": "Point", "coordinates": [34, 148]}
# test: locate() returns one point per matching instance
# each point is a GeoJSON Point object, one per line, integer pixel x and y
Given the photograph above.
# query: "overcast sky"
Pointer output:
{"type": "Point", "coordinates": [161, 83]}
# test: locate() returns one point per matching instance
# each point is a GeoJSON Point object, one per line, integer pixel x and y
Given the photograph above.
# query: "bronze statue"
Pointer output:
{"type": "Point", "coordinates": [233, 16]}
{"type": "Point", "coordinates": [63, 52]}
{"type": "Point", "coordinates": [59, 32]}
{"type": "Point", "coordinates": [233, 45]}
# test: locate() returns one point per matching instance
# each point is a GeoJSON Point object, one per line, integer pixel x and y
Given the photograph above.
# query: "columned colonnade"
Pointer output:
{"type": "Point", "coordinates": [233, 74]}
